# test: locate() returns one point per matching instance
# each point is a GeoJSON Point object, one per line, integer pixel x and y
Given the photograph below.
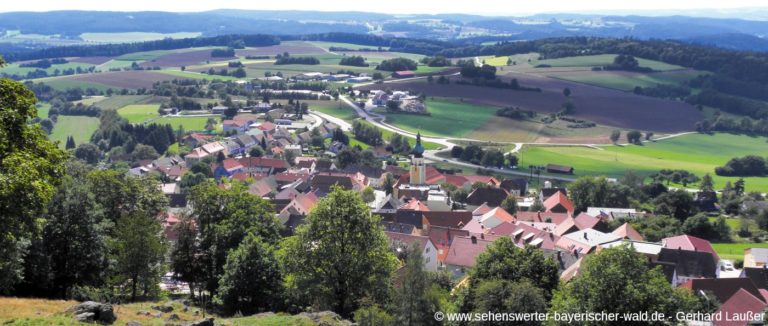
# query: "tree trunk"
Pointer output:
{"type": "Point", "coordinates": [133, 289]}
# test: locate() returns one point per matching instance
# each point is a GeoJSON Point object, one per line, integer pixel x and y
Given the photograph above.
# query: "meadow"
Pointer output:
{"type": "Point", "coordinates": [79, 127]}
{"type": "Point", "coordinates": [189, 123]}
{"type": "Point", "coordinates": [333, 108]}
{"type": "Point", "coordinates": [623, 80]}
{"type": "Point", "coordinates": [129, 37]}
{"type": "Point", "coordinates": [14, 68]}
{"type": "Point", "coordinates": [693, 152]}
{"type": "Point", "coordinates": [139, 113]}
{"type": "Point", "coordinates": [447, 118]}
{"type": "Point", "coordinates": [603, 60]}
{"type": "Point", "coordinates": [734, 251]}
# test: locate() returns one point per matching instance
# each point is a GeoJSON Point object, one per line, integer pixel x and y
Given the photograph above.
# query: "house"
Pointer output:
{"type": "Point", "coordinates": [758, 275]}
{"type": "Point", "coordinates": [219, 109]}
{"type": "Point", "coordinates": [336, 147]}
{"type": "Point", "coordinates": [755, 257]}
{"type": "Point", "coordinates": [267, 127]}
{"type": "Point", "coordinates": [311, 76]}
{"type": "Point", "coordinates": [558, 203]}
{"type": "Point", "coordinates": [722, 288]}
{"type": "Point", "coordinates": [214, 148]}
{"type": "Point", "coordinates": [400, 243]}
{"type": "Point", "coordinates": [246, 141]}
{"type": "Point", "coordinates": [322, 182]}
{"type": "Point", "coordinates": [307, 165]}
{"type": "Point", "coordinates": [227, 168]}
{"type": "Point", "coordinates": [742, 303]}
{"type": "Point", "coordinates": [690, 264]}
{"type": "Point", "coordinates": [196, 139]}
{"type": "Point", "coordinates": [380, 98]}
{"type": "Point", "coordinates": [609, 213]}
{"type": "Point", "coordinates": [445, 219]}
{"type": "Point", "coordinates": [263, 165]}
{"type": "Point", "coordinates": [361, 79]}
{"type": "Point", "coordinates": [586, 221]}
{"type": "Point", "coordinates": [547, 192]}
{"type": "Point", "coordinates": [325, 166]}
{"type": "Point", "coordinates": [404, 74]}
{"type": "Point", "coordinates": [234, 125]}
{"type": "Point", "coordinates": [584, 241]}
{"type": "Point", "coordinates": [294, 213]}
{"type": "Point", "coordinates": [232, 147]}
{"type": "Point", "coordinates": [561, 169]}
{"type": "Point", "coordinates": [542, 217]}
{"type": "Point", "coordinates": [524, 235]}
{"type": "Point", "coordinates": [462, 254]}
{"type": "Point", "coordinates": [388, 205]}
{"type": "Point", "coordinates": [443, 237]}
{"type": "Point", "coordinates": [495, 217]}
{"type": "Point", "coordinates": [264, 187]}
{"type": "Point", "coordinates": [195, 155]}
{"type": "Point", "coordinates": [400, 228]}
{"type": "Point", "coordinates": [488, 195]}
{"type": "Point", "coordinates": [516, 186]}
{"type": "Point", "coordinates": [262, 107]}
{"type": "Point", "coordinates": [414, 204]}
{"type": "Point", "coordinates": [691, 243]}
{"type": "Point", "coordinates": [626, 231]}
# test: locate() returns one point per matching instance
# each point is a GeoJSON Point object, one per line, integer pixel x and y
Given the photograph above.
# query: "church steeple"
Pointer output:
{"type": "Point", "coordinates": [418, 150]}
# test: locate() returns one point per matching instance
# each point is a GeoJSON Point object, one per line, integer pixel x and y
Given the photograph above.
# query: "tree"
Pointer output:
{"type": "Point", "coordinates": [368, 195]}
{"type": "Point", "coordinates": [456, 151]}
{"type": "Point", "coordinates": [252, 280]}
{"type": "Point", "coordinates": [537, 205]}
{"type": "Point", "coordinates": [373, 315]}
{"type": "Point", "coordinates": [615, 135]}
{"type": "Point", "coordinates": [648, 135]}
{"type": "Point", "coordinates": [677, 203]}
{"type": "Point", "coordinates": [31, 168]}
{"type": "Point", "coordinates": [509, 297]}
{"type": "Point", "coordinates": [230, 112]}
{"type": "Point", "coordinates": [619, 280]}
{"type": "Point", "coordinates": [588, 191]}
{"type": "Point", "coordinates": [460, 195]}
{"type": "Point", "coordinates": [144, 152]}
{"type": "Point", "coordinates": [657, 227]}
{"type": "Point", "coordinates": [634, 136]}
{"type": "Point", "coordinates": [73, 238]}
{"type": "Point", "coordinates": [340, 255]}
{"type": "Point", "coordinates": [502, 259]}
{"type": "Point", "coordinates": [706, 183]}
{"type": "Point", "coordinates": [389, 183]}
{"type": "Point", "coordinates": [121, 195]}
{"type": "Point", "coordinates": [210, 125]}
{"type": "Point", "coordinates": [70, 143]}
{"type": "Point", "coordinates": [88, 152]}
{"type": "Point", "coordinates": [139, 251]}
{"type": "Point", "coordinates": [413, 303]}
{"type": "Point", "coordinates": [186, 255]}
{"type": "Point", "coordinates": [509, 204]}
{"type": "Point", "coordinates": [567, 92]}
{"type": "Point", "coordinates": [256, 151]}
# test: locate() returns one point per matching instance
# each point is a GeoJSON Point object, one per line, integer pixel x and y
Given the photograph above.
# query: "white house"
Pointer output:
{"type": "Point", "coordinates": [400, 243]}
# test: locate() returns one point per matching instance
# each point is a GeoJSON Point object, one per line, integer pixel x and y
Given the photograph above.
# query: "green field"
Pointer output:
{"type": "Point", "coordinates": [143, 56]}
{"type": "Point", "coordinates": [42, 109]}
{"type": "Point", "coordinates": [195, 75]}
{"type": "Point", "coordinates": [735, 251]}
{"type": "Point", "coordinates": [448, 118]}
{"type": "Point", "coordinates": [189, 123]}
{"type": "Point", "coordinates": [603, 60]}
{"type": "Point", "coordinates": [61, 84]}
{"type": "Point", "coordinates": [115, 102]}
{"type": "Point", "coordinates": [79, 127]}
{"type": "Point", "coordinates": [14, 69]}
{"type": "Point", "coordinates": [328, 45]}
{"type": "Point", "coordinates": [139, 113]}
{"type": "Point", "coordinates": [695, 152]}
{"type": "Point", "coordinates": [333, 108]}
{"type": "Point", "coordinates": [112, 64]}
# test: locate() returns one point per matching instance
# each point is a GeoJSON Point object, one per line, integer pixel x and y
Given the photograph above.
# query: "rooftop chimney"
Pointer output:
{"type": "Point", "coordinates": [474, 239]}
{"type": "Point", "coordinates": [585, 236]}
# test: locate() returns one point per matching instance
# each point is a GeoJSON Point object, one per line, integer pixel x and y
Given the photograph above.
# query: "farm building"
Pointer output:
{"type": "Point", "coordinates": [219, 109]}
{"type": "Point", "coordinates": [360, 79]}
{"type": "Point", "coordinates": [403, 74]}
{"type": "Point", "coordinates": [562, 169]}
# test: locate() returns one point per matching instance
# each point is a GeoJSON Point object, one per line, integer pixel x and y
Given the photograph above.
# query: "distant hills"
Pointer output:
{"type": "Point", "coordinates": [741, 34]}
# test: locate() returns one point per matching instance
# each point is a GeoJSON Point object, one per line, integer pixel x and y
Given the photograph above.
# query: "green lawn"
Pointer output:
{"type": "Point", "coordinates": [189, 123]}
{"type": "Point", "coordinates": [448, 118]}
{"type": "Point", "coordinates": [79, 127]}
{"type": "Point", "coordinates": [735, 251]}
{"type": "Point", "coordinates": [139, 113]}
{"type": "Point", "coordinates": [602, 60]}
{"type": "Point", "coordinates": [42, 109]}
{"type": "Point", "coordinates": [333, 108]}
{"type": "Point", "coordinates": [696, 153]}
{"type": "Point", "coordinates": [13, 68]}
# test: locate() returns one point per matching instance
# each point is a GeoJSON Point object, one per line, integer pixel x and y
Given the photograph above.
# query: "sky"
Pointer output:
{"type": "Point", "coordinates": [483, 7]}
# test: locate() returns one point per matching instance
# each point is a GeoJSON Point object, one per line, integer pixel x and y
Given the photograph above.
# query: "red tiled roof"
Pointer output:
{"type": "Point", "coordinates": [558, 198]}
{"type": "Point", "coordinates": [722, 288]}
{"type": "Point", "coordinates": [556, 218]}
{"type": "Point", "coordinates": [453, 219]}
{"type": "Point", "coordinates": [260, 188]}
{"type": "Point", "coordinates": [266, 126]}
{"type": "Point", "coordinates": [742, 302]}
{"type": "Point", "coordinates": [442, 238]}
{"type": "Point", "coordinates": [626, 231]}
{"type": "Point", "coordinates": [483, 179]}
{"type": "Point", "coordinates": [482, 209]}
{"type": "Point", "coordinates": [414, 204]}
{"type": "Point", "coordinates": [263, 162]}
{"type": "Point", "coordinates": [524, 234]}
{"type": "Point", "coordinates": [463, 251]}
{"type": "Point", "coordinates": [564, 226]}
{"type": "Point", "coordinates": [456, 180]}
{"type": "Point", "coordinates": [231, 164]}
{"type": "Point", "coordinates": [584, 220]}
{"type": "Point", "coordinates": [691, 243]}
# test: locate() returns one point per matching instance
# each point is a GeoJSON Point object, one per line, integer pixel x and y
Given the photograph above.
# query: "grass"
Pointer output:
{"type": "Point", "coordinates": [79, 127]}
{"type": "Point", "coordinates": [143, 56]}
{"type": "Point", "coordinates": [189, 123]}
{"type": "Point", "coordinates": [139, 113]}
{"type": "Point", "coordinates": [42, 109]}
{"type": "Point", "coordinates": [602, 60]}
{"type": "Point", "coordinates": [14, 68]}
{"type": "Point", "coordinates": [62, 84]}
{"type": "Point", "coordinates": [194, 75]}
{"type": "Point", "coordinates": [735, 251]}
{"type": "Point", "coordinates": [448, 118]}
{"type": "Point", "coordinates": [697, 153]}
{"type": "Point", "coordinates": [333, 108]}
{"type": "Point", "coordinates": [115, 102]}
{"type": "Point", "coordinates": [23, 311]}
{"type": "Point", "coordinates": [328, 45]}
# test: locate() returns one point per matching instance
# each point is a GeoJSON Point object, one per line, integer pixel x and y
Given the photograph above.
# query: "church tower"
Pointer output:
{"type": "Point", "coordinates": [418, 168]}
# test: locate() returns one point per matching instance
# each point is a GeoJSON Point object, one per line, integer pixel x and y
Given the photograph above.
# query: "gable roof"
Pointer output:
{"type": "Point", "coordinates": [626, 231]}
{"type": "Point", "coordinates": [480, 210]}
{"type": "Point", "coordinates": [263, 162]}
{"type": "Point", "coordinates": [442, 238]}
{"type": "Point", "coordinates": [411, 217]}
{"type": "Point", "coordinates": [490, 195]}
{"type": "Point", "coordinates": [758, 275]}
{"type": "Point", "coordinates": [691, 243]}
{"type": "Point", "coordinates": [722, 288]}
{"type": "Point", "coordinates": [414, 204]}
{"type": "Point", "coordinates": [585, 221]}
{"type": "Point", "coordinates": [556, 218]}
{"type": "Point", "coordinates": [464, 251]}
{"type": "Point", "coordinates": [396, 238]}
{"type": "Point", "coordinates": [452, 219]}
{"type": "Point", "coordinates": [523, 235]}
{"type": "Point", "coordinates": [584, 240]}
{"type": "Point", "coordinates": [497, 215]}
{"type": "Point", "coordinates": [231, 164]}
{"type": "Point", "coordinates": [559, 198]}
{"type": "Point", "coordinates": [742, 302]}
{"type": "Point", "coordinates": [324, 181]}
{"type": "Point", "coordinates": [566, 226]}
{"type": "Point", "coordinates": [398, 227]}
{"type": "Point", "coordinates": [688, 263]}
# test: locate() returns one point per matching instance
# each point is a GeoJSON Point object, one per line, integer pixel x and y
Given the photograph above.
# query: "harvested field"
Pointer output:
{"type": "Point", "coordinates": [91, 60]}
{"type": "Point", "coordinates": [603, 106]}
{"type": "Point", "coordinates": [184, 59]}
{"type": "Point", "coordinates": [123, 79]}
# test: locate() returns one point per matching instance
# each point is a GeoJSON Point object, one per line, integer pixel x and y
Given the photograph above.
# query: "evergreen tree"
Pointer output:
{"type": "Point", "coordinates": [70, 143]}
